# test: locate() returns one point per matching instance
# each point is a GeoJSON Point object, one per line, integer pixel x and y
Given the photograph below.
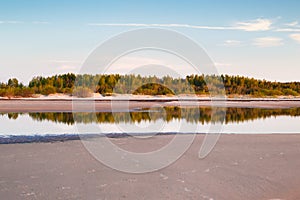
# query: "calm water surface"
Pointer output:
{"type": "Point", "coordinates": [155, 120]}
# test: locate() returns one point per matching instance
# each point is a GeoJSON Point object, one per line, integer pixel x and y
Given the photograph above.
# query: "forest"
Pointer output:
{"type": "Point", "coordinates": [108, 84]}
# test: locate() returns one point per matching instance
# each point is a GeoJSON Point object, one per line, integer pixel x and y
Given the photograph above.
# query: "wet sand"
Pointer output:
{"type": "Point", "coordinates": [239, 167]}
{"type": "Point", "coordinates": [81, 105]}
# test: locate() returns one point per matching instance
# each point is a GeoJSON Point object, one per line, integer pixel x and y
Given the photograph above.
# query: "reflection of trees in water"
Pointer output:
{"type": "Point", "coordinates": [11, 115]}
{"type": "Point", "coordinates": [66, 118]}
{"type": "Point", "coordinates": [193, 115]}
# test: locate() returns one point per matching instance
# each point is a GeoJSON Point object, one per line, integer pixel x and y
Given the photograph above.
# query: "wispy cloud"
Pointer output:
{"type": "Point", "coordinates": [40, 22]}
{"type": "Point", "coordinates": [67, 67]}
{"type": "Point", "coordinates": [232, 43]}
{"type": "Point", "coordinates": [290, 27]}
{"type": "Point", "coordinates": [253, 25]}
{"type": "Point", "coordinates": [295, 37]}
{"type": "Point", "coordinates": [22, 22]}
{"type": "Point", "coordinates": [11, 22]}
{"type": "Point", "coordinates": [294, 23]}
{"type": "Point", "coordinates": [64, 61]}
{"type": "Point", "coordinates": [267, 42]}
{"type": "Point", "coordinates": [288, 30]}
{"type": "Point", "coordinates": [164, 25]}
{"type": "Point", "coordinates": [220, 64]}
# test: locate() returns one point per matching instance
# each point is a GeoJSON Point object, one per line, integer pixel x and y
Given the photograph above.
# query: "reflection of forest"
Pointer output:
{"type": "Point", "coordinates": [192, 115]}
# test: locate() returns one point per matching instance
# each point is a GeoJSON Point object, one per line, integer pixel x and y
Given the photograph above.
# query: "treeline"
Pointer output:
{"type": "Point", "coordinates": [85, 85]}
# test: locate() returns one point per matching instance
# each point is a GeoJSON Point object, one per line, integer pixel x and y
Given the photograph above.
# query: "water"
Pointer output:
{"type": "Point", "coordinates": [158, 120]}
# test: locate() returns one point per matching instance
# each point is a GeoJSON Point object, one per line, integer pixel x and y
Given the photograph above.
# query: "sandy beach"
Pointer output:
{"type": "Point", "coordinates": [105, 104]}
{"type": "Point", "coordinates": [239, 167]}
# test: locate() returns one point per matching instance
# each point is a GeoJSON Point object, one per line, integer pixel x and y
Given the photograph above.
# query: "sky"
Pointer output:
{"type": "Point", "coordinates": [259, 39]}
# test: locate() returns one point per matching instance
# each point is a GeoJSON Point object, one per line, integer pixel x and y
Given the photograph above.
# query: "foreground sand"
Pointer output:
{"type": "Point", "coordinates": [240, 167]}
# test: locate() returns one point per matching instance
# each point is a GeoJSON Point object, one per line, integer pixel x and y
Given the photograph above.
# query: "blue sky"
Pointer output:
{"type": "Point", "coordinates": [260, 39]}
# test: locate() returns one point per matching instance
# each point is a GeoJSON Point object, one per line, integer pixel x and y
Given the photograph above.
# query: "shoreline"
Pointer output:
{"type": "Point", "coordinates": [49, 138]}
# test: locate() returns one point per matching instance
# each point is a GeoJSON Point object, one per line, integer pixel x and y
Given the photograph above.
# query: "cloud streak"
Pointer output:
{"type": "Point", "coordinates": [295, 37]}
{"type": "Point", "coordinates": [292, 24]}
{"type": "Point", "coordinates": [67, 67]}
{"type": "Point", "coordinates": [11, 22]}
{"type": "Point", "coordinates": [65, 61]}
{"type": "Point", "coordinates": [253, 25]}
{"type": "Point", "coordinates": [22, 22]}
{"type": "Point", "coordinates": [288, 30]}
{"type": "Point", "coordinates": [290, 27]}
{"type": "Point", "coordinates": [40, 22]}
{"type": "Point", "coordinates": [220, 64]}
{"type": "Point", "coordinates": [267, 42]}
{"type": "Point", "coordinates": [164, 25]}
{"type": "Point", "coordinates": [232, 43]}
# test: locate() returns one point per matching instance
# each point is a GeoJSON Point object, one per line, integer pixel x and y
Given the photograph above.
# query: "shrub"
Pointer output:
{"type": "Point", "coordinates": [26, 92]}
{"type": "Point", "coordinates": [2, 92]}
{"type": "Point", "coordinates": [82, 92]}
{"type": "Point", "coordinates": [290, 92]}
{"type": "Point", "coordinates": [48, 90]}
